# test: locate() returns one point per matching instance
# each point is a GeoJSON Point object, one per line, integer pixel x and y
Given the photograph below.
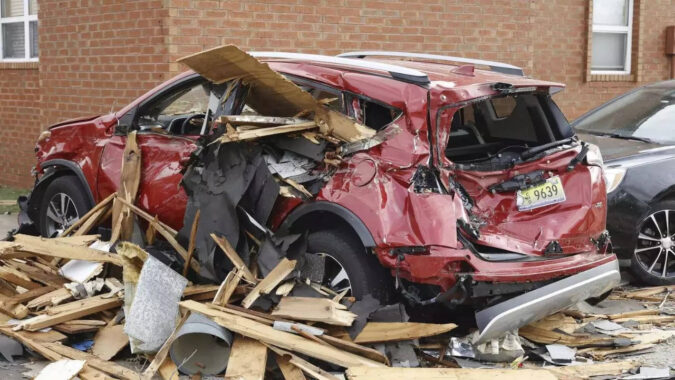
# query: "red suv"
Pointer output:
{"type": "Point", "coordinates": [473, 189]}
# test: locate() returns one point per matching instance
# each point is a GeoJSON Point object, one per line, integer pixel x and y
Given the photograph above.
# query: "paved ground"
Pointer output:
{"type": "Point", "coordinates": [7, 223]}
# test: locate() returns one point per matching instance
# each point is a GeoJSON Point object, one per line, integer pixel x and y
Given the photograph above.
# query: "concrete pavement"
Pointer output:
{"type": "Point", "coordinates": [7, 223]}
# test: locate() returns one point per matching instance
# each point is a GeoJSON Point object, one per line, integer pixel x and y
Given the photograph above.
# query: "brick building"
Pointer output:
{"type": "Point", "coordinates": [95, 55]}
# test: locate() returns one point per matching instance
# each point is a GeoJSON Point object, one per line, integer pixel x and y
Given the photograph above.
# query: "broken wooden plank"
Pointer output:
{"type": "Point", "coordinates": [543, 336]}
{"type": "Point", "coordinates": [655, 319]}
{"type": "Point", "coordinates": [164, 350]}
{"type": "Point", "coordinates": [288, 370]}
{"type": "Point", "coordinates": [52, 248]}
{"type": "Point", "coordinates": [49, 299]}
{"type": "Point", "coordinates": [247, 359]}
{"type": "Point", "coordinates": [234, 257]}
{"type": "Point", "coordinates": [99, 364]}
{"type": "Point", "coordinates": [314, 309]}
{"type": "Point", "coordinates": [109, 341]}
{"type": "Point", "coordinates": [70, 311]}
{"type": "Point", "coordinates": [602, 353]}
{"type": "Point", "coordinates": [389, 373]}
{"type": "Point", "coordinates": [30, 295]}
{"type": "Point", "coordinates": [71, 329]}
{"type": "Point", "coordinates": [278, 274]}
{"type": "Point", "coordinates": [46, 277]}
{"type": "Point", "coordinates": [354, 348]}
{"type": "Point", "coordinates": [636, 313]}
{"type": "Point", "coordinates": [227, 288]}
{"type": "Point", "coordinates": [307, 367]}
{"type": "Point", "coordinates": [130, 179]}
{"type": "Point", "coordinates": [375, 332]}
{"type": "Point", "coordinates": [14, 309]}
{"type": "Point", "coordinates": [284, 340]}
{"type": "Point", "coordinates": [264, 132]}
{"type": "Point", "coordinates": [191, 244]}
{"type": "Point", "coordinates": [16, 277]}
{"type": "Point", "coordinates": [585, 371]}
{"type": "Point", "coordinates": [104, 203]}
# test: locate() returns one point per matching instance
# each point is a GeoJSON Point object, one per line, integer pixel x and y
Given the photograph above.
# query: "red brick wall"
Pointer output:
{"type": "Point", "coordinates": [19, 124]}
{"type": "Point", "coordinates": [98, 54]}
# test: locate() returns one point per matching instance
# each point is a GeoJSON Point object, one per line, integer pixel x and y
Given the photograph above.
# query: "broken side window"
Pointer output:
{"type": "Point", "coordinates": [180, 110]}
{"type": "Point", "coordinates": [504, 126]}
{"type": "Point", "coordinates": [369, 112]}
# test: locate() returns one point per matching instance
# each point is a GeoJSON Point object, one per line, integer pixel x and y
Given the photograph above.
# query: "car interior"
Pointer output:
{"type": "Point", "coordinates": [504, 126]}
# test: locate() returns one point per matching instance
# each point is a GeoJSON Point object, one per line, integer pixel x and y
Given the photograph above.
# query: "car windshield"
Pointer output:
{"type": "Point", "coordinates": [646, 114]}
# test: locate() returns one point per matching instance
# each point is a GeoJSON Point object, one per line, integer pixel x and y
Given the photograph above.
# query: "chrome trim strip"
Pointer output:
{"type": "Point", "coordinates": [501, 67]}
{"type": "Point", "coordinates": [398, 72]}
{"type": "Point", "coordinates": [531, 306]}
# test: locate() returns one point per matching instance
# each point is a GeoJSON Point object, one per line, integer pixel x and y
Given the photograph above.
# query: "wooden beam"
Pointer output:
{"type": "Point", "coordinates": [247, 359]}
{"type": "Point", "coordinates": [191, 244]}
{"type": "Point", "coordinates": [278, 274]}
{"type": "Point", "coordinates": [85, 217]}
{"type": "Point", "coordinates": [129, 183]}
{"type": "Point", "coordinates": [284, 340]}
{"type": "Point", "coordinates": [52, 248]}
{"type": "Point", "coordinates": [227, 288]}
{"type": "Point", "coordinates": [70, 311]}
{"type": "Point", "coordinates": [234, 257]}
{"type": "Point", "coordinates": [288, 370]}
{"type": "Point", "coordinates": [323, 310]}
{"type": "Point", "coordinates": [164, 350]}
{"type": "Point", "coordinates": [393, 331]}
{"type": "Point", "coordinates": [16, 277]}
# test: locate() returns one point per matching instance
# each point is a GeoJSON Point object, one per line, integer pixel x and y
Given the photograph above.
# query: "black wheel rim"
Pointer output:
{"type": "Point", "coordinates": [61, 214]}
{"type": "Point", "coordinates": [655, 247]}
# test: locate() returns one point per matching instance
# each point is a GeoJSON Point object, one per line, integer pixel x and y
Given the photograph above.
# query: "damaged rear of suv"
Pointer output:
{"type": "Point", "coordinates": [444, 184]}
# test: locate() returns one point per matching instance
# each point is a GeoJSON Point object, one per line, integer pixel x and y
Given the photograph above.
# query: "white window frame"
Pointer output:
{"type": "Point", "coordinates": [628, 31]}
{"type": "Point", "coordinates": [26, 19]}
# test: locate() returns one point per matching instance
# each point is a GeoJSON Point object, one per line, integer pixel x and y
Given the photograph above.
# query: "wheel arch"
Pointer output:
{"type": "Point", "coordinates": [319, 215]}
{"type": "Point", "coordinates": [54, 169]}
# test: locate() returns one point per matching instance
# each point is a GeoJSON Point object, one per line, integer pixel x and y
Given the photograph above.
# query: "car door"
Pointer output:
{"type": "Point", "coordinates": [166, 141]}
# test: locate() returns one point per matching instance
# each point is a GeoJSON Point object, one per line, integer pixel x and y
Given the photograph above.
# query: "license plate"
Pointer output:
{"type": "Point", "coordinates": [548, 193]}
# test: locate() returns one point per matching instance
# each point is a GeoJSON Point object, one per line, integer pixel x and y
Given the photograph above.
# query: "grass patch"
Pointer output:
{"type": "Point", "coordinates": [10, 194]}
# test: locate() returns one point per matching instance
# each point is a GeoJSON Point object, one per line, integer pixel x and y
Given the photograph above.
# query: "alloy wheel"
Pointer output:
{"type": "Point", "coordinates": [655, 247]}
{"type": "Point", "coordinates": [61, 214]}
{"type": "Point", "coordinates": [335, 276]}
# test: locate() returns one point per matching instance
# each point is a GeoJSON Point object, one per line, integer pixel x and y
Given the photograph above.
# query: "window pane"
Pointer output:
{"type": "Point", "coordinates": [610, 12]}
{"type": "Point", "coordinates": [13, 41]}
{"type": "Point", "coordinates": [609, 51]}
{"type": "Point", "coordinates": [33, 7]}
{"type": "Point", "coordinates": [33, 39]}
{"type": "Point", "coordinates": [12, 8]}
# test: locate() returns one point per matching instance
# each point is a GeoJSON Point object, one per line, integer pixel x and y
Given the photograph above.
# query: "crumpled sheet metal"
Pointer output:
{"type": "Point", "coordinates": [271, 94]}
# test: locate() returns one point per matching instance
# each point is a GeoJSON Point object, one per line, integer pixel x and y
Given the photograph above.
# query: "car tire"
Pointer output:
{"type": "Point", "coordinates": [365, 273]}
{"type": "Point", "coordinates": [68, 191]}
{"type": "Point", "coordinates": [646, 264]}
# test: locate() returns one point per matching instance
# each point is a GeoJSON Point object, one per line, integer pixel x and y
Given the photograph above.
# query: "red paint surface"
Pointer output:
{"type": "Point", "coordinates": [376, 184]}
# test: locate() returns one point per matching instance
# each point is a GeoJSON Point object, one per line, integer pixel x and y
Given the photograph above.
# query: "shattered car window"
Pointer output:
{"type": "Point", "coordinates": [504, 126]}
{"type": "Point", "coordinates": [370, 113]}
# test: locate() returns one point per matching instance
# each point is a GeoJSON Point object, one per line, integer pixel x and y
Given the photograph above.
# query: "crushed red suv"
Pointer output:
{"type": "Point", "coordinates": [466, 185]}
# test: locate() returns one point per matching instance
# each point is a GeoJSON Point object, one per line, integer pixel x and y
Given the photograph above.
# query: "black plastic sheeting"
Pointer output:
{"type": "Point", "coordinates": [219, 179]}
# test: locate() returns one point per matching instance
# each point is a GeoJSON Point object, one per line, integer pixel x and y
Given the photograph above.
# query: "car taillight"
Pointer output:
{"type": "Point", "coordinates": [593, 156]}
{"type": "Point", "coordinates": [613, 178]}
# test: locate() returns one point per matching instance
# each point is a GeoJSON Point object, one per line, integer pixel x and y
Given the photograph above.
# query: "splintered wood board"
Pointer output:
{"type": "Point", "coordinates": [314, 309]}
{"type": "Point", "coordinates": [392, 331]}
{"type": "Point", "coordinates": [247, 359]}
{"type": "Point", "coordinates": [365, 373]}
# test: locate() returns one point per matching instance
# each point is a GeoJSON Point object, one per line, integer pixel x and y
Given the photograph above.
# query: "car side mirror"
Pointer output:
{"type": "Point", "coordinates": [124, 123]}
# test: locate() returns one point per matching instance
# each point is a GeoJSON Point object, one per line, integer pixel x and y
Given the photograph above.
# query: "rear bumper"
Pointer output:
{"type": "Point", "coordinates": [531, 306]}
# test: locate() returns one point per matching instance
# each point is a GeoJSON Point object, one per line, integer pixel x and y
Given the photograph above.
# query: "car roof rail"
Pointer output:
{"type": "Point", "coordinates": [499, 67]}
{"type": "Point", "coordinates": [396, 72]}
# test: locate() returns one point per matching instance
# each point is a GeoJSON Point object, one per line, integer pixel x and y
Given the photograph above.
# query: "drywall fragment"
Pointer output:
{"type": "Point", "coordinates": [561, 354]}
{"type": "Point", "coordinates": [153, 313]}
{"type": "Point", "coordinates": [109, 341]}
{"type": "Point", "coordinates": [651, 373]}
{"type": "Point", "coordinates": [80, 270]}
{"type": "Point", "coordinates": [64, 369]}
